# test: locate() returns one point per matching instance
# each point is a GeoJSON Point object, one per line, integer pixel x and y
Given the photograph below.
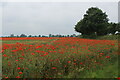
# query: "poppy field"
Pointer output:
{"type": "Point", "coordinates": [65, 57]}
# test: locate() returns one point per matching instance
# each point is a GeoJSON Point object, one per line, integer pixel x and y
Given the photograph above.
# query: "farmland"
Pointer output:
{"type": "Point", "coordinates": [59, 58]}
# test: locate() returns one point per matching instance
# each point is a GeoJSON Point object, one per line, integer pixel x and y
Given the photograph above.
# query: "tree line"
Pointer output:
{"type": "Point", "coordinates": [50, 35]}
{"type": "Point", "coordinates": [95, 23]}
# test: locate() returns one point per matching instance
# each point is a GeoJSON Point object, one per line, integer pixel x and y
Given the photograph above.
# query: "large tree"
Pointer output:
{"type": "Point", "coordinates": [94, 22]}
{"type": "Point", "coordinates": [112, 28]}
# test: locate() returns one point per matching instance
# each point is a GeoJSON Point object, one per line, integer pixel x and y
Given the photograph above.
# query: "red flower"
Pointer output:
{"type": "Point", "coordinates": [101, 53]}
{"type": "Point", "coordinates": [33, 53]}
{"type": "Point", "coordinates": [1, 51]}
{"type": "Point", "coordinates": [46, 54]}
{"type": "Point", "coordinates": [75, 63]}
{"type": "Point", "coordinates": [107, 56]}
{"type": "Point", "coordinates": [69, 61]}
{"type": "Point", "coordinates": [4, 55]}
{"type": "Point", "coordinates": [81, 63]}
{"type": "Point", "coordinates": [6, 77]}
{"type": "Point", "coordinates": [17, 76]}
{"type": "Point", "coordinates": [21, 58]}
{"type": "Point", "coordinates": [54, 68]}
{"type": "Point", "coordinates": [75, 60]}
{"type": "Point", "coordinates": [54, 51]}
{"type": "Point", "coordinates": [20, 72]}
{"type": "Point", "coordinates": [16, 60]}
{"type": "Point", "coordinates": [38, 51]}
{"type": "Point", "coordinates": [18, 68]}
{"type": "Point", "coordinates": [118, 78]}
{"type": "Point", "coordinates": [23, 54]}
{"type": "Point", "coordinates": [38, 47]}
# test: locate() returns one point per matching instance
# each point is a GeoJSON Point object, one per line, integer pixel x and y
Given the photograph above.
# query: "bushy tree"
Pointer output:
{"type": "Point", "coordinates": [95, 22]}
{"type": "Point", "coordinates": [39, 36]}
{"type": "Point", "coordinates": [30, 36]}
{"type": "Point", "coordinates": [112, 28]}
{"type": "Point", "coordinates": [23, 35]}
{"type": "Point", "coordinates": [118, 27]}
{"type": "Point", "coordinates": [12, 35]}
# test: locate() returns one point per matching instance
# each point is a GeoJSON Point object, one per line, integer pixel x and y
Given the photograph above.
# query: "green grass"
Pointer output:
{"type": "Point", "coordinates": [106, 72]}
{"type": "Point", "coordinates": [109, 37]}
{"type": "Point", "coordinates": [26, 41]}
{"type": "Point", "coordinates": [106, 37]}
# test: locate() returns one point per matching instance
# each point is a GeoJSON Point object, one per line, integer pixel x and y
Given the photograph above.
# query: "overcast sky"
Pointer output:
{"type": "Point", "coordinates": [44, 18]}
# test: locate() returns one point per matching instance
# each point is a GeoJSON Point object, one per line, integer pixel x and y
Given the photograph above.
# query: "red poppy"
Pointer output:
{"type": "Point", "coordinates": [118, 78]}
{"type": "Point", "coordinates": [16, 60]}
{"type": "Point", "coordinates": [38, 51]}
{"type": "Point", "coordinates": [75, 60]}
{"type": "Point", "coordinates": [54, 68]}
{"type": "Point", "coordinates": [20, 72]}
{"type": "Point", "coordinates": [23, 54]}
{"type": "Point", "coordinates": [1, 51]}
{"type": "Point", "coordinates": [107, 56]}
{"type": "Point", "coordinates": [81, 63]}
{"type": "Point", "coordinates": [38, 47]}
{"type": "Point", "coordinates": [17, 76]}
{"type": "Point", "coordinates": [18, 68]}
{"type": "Point", "coordinates": [69, 61]}
{"type": "Point", "coordinates": [75, 63]}
{"type": "Point", "coordinates": [21, 58]}
{"type": "Point", "coordinates": [101, 53]}
{"type": "Point", "coordinates": [33, 53]}
{"type": "Point", "coordinates": [4, 55]}
{"type": "Point", "coordinates": [6, 77]}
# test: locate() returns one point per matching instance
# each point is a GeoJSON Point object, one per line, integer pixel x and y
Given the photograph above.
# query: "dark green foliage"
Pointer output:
{"type": "Point", "coordinates": [12, 35]}
{"type": "Point", "coordinates": [118, 27]}
{"type": "Point", "coordinates": [112, 28]}
{"type": "Point", "coordinates": [94, 23]}
{"type": "Point", "coordinates": [39, 36]}
{"type": "Point", "coordinates": [30, 36]}
{"type": "Point", "coordinates": [23, 35]}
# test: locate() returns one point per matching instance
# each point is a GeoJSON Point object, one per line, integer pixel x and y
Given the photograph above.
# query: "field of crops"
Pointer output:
{"type": "Point", "coordinates": [59, 58]}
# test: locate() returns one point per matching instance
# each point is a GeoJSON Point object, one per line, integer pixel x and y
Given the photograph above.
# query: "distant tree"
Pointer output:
{"type": "Point", "coordinates": [67, 35]}
{"type": "Point", "coordinates": [17, 36]}
{"type": "Point", "coordinates": [71, 35]}
{"type": "Point", "coordinates": [50, 35]}
{"type": "Point", "coordinates": [94, 23]}
{"type": "Point", "coordinates": [12, 35]}
{"type": "Point", "coordinates": [30, 36]}
{"type": "Point", "coordinates": [23, 35]}
{"type": "Point", "coordinates": [35, 36]}
{"type": "Point", "coordinates": [43, 36]}
{"type": "Point", "coordinates": [62, 36]}
{"type": "Point", "coordinates": [74, 35]}
{"type": "Point", "coordinates": [39, 36]}
{"type": "Point", "coordinates": [59, 35]}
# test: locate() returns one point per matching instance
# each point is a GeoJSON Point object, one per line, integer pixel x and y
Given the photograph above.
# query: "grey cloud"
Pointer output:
{"type": "Point", "coordinates": [46, 18]}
